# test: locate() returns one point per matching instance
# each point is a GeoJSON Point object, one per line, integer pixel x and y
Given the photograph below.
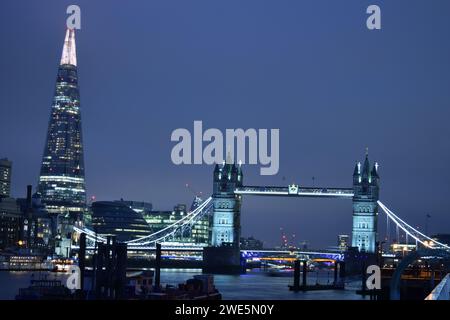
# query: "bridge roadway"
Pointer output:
{"type": "Point", "coordinates": [246, 252]}
{"type": "Point", "coordinates": [296, 191]}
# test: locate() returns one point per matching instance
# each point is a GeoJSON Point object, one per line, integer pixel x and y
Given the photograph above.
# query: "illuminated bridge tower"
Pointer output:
{"type": "Point", "coordinates": [226, 224]}
{"type": "Point", "coordinates": [223, 256]}
{"type": "Point", "coordinates": [61, 181]}
{"type": "Point", "coordinates": [365, 207]}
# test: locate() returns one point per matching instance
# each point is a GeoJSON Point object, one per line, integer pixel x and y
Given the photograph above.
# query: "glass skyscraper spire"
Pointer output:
{"type": "Point", "coordinates": [61, 181]}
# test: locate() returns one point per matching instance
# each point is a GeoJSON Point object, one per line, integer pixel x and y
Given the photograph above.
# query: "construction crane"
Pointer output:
{"type": "Point", "coordinates": [197, 197]}
{"type": "Point", "coordinates": [193, 191]}
{"type": "Point", "coordinates": [284, 239]}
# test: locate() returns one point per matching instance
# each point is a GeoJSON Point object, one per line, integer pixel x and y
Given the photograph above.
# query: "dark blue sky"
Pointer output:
{"type": "Point", "coordinates": [310, 68]}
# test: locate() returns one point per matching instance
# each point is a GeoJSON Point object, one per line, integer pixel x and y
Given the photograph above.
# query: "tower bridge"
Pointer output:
{"type": "Point", "coordinates": [224, 207]}
{"type": "Point", "coordinates": [228, 190]}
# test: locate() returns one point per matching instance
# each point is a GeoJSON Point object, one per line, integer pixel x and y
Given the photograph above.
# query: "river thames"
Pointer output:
{"type": "Point", "coordinates": [254, 285]}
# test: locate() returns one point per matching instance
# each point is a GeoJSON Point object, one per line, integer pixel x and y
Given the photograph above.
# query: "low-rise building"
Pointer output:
{"type": "Point", "coordinates": [11, 220]}
{"type": "Point", "coordinates": [343, 242]}
{"type": "Point", "coordinates": [118, 219]}
{"type": "Point", "coordinates": [251, 243]}
{"type": "Point", "coordinates": [5, 177]}
{"type": "Point", "coordinates": [199, 233]}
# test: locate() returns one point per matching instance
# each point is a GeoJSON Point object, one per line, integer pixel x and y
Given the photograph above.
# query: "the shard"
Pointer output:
{"type": "Point", "coordinates": [61, 182]}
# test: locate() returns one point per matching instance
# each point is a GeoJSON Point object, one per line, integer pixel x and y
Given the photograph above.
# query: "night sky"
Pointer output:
{"type": "Point", "coordinates": [310, 68]}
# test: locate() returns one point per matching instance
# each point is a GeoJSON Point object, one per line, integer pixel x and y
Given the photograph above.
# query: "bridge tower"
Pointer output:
{"type": "Point", "coordinates": [226, 224]}
{"type": "Point", "coordinates": [223, 255]}
{"type": "Point", "coordinates": [365, 208]}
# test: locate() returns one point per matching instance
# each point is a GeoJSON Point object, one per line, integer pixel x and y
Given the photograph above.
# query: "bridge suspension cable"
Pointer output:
{"type": "Point", "coordinates": [161, 235]}
{"type": "Point", "coordinates": [170, 230]}
{"type": "Point", "coordinates": [179, 226]}
{"type": "Point", "coordinates": [91, 235]}
{"type": "Point", "coordinates": [410, 231]}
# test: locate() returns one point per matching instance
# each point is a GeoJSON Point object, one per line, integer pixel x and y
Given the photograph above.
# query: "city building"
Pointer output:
{"type": "Point", "coordinates": [442, 238]}
{"type": "Point", "coordinates": [118, 219]}
{"type": "Point", "coordinates": [251, 243]}
{"type": "Point", "coordinates": [201, 230]}
{"type": "Point", "coordinates": [40, 230]}
{"type": "Point", "coordinates": [158, 220]}
{"type": "Point", "coordinates": [343, 242]}
{"type": "Point", "coordinates": [402, 248]}
{"type": "Point", "coordinates": [37, 224]}
{"type": "Point", "coordinates": [63, 235]}
{"type": "Point", "coordinates": [138, 206]}
{"type": "Point", "coordinates": [10, 223]}
{"type": "Point", "coordinates": [5, 177]}
{"type": "Point", "coordinates": [11, 219]}
{"type": "Point", "coordinates": [304, 244]}
{"type": "Point", "coordinates": [61, 182]}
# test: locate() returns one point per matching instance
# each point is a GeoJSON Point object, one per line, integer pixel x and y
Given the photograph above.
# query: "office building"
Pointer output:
{"type": "Point", "coordinates": [118, 219]}
{"type": "Point", "coordinates": [5, 177]}
{"type": "Point", "coordinates": [61, 181]}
